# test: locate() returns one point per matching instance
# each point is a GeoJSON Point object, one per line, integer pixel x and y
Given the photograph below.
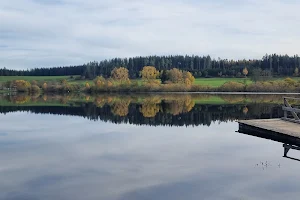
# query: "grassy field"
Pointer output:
{"type": "Point", "coordinates": [216, 82]}
{"type": "Point", "coordinates": [213, 82]}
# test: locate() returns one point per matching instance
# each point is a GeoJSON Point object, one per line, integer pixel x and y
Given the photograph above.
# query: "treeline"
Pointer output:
{"type": "Point", "coordinates": [199, 66]}
{"type": "Point", "coordinates": [173, 80]}
{"type": "Point", "coordinates": [119, 81]}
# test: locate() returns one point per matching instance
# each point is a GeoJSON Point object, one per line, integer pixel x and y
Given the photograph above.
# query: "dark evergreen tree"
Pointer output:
{"type": "Point", "coordinates": [164, 76]}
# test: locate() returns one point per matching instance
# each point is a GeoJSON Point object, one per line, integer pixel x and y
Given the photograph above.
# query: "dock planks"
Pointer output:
{"type": "Point", "coordinates": [276, 126]}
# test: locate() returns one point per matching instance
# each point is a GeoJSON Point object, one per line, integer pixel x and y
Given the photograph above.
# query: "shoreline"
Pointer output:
{"type": "Point", "coordinates": [153, 92]}
{"type": "Point", "coordinates": [234, 93]}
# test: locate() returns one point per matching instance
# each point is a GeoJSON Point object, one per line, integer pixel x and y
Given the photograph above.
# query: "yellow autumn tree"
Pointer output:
{"type": "Point", "coordinates": [120, 74]}
{"type": "Point", "coordinates": [109, 83]}
{"type": "Point", "coordinates": [178, 76]}
{"type": "Point", "coordinates": [99, 82]}
{"type": "Point", "coordinates": [245, 71]}
{"type": "Point", "coordinates": [290, 81]}
{"type": "Point", "coordinates": [175, 75]}
{"type": "Point", "coordinates": [296, 71]}
{"type": "Point", "coordinates": [149, 73]}
{"type": "Point", "coordinates": [87, 86]}
{"type": "Point", "coordinates": [188, 78]}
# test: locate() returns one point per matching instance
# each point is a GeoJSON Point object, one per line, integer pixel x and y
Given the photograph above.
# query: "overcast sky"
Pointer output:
{"type": "Point", "coordinates": [44, 33]}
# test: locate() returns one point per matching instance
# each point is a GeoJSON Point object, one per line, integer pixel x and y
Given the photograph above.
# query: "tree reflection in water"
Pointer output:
{"type": "Point", "coordinates": [150, 109]}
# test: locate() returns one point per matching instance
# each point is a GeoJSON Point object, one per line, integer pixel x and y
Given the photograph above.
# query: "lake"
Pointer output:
{"type": "Point", "coordinates": [147, 146]}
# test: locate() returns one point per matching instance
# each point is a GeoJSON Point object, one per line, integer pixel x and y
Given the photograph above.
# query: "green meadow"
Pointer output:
{"type": "Point", "coordinates": [212, 82]}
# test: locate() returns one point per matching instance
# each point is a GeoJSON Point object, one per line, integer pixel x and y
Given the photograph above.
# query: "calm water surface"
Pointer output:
{"type": "Point", "coordinates": [46, 156]}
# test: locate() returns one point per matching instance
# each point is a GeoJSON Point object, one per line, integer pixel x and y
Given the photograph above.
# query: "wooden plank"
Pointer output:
{"type": "Point", "coordinates": [270, 135]}
{"type": "Point", "coordinates": [291, 120]}
{"type": "Point", "coordinates": [291, 109]}
{"type": "Point", "coordinates": [277, 126]}
{"type": "Point", "coordinates": [288, 106]}
{"type": "Point", "coordinates": [286, 103]}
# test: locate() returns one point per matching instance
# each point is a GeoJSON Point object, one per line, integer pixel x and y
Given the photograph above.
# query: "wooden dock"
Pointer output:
{"type": "Point", "coordinates": [277, 130]}
{"type": "Point", "coordinates": [286, 129]}
{"type": "Point", "coordinates": [278, 126]}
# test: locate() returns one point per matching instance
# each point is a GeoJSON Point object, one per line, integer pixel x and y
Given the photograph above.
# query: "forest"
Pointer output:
{"type": "Point", "coordinates": [199, 66]}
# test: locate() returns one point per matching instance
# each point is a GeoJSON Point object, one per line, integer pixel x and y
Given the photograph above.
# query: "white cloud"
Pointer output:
{"type": "Point", "coordinates": [36, 33]}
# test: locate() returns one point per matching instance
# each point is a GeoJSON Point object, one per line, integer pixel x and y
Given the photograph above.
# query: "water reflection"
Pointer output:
{"type": "Point", "coordinates": [58, 155]}
{"type": "Point", "coordinates": [155, 109]}
{"type": "Point", "coordinates": [63, 157]}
